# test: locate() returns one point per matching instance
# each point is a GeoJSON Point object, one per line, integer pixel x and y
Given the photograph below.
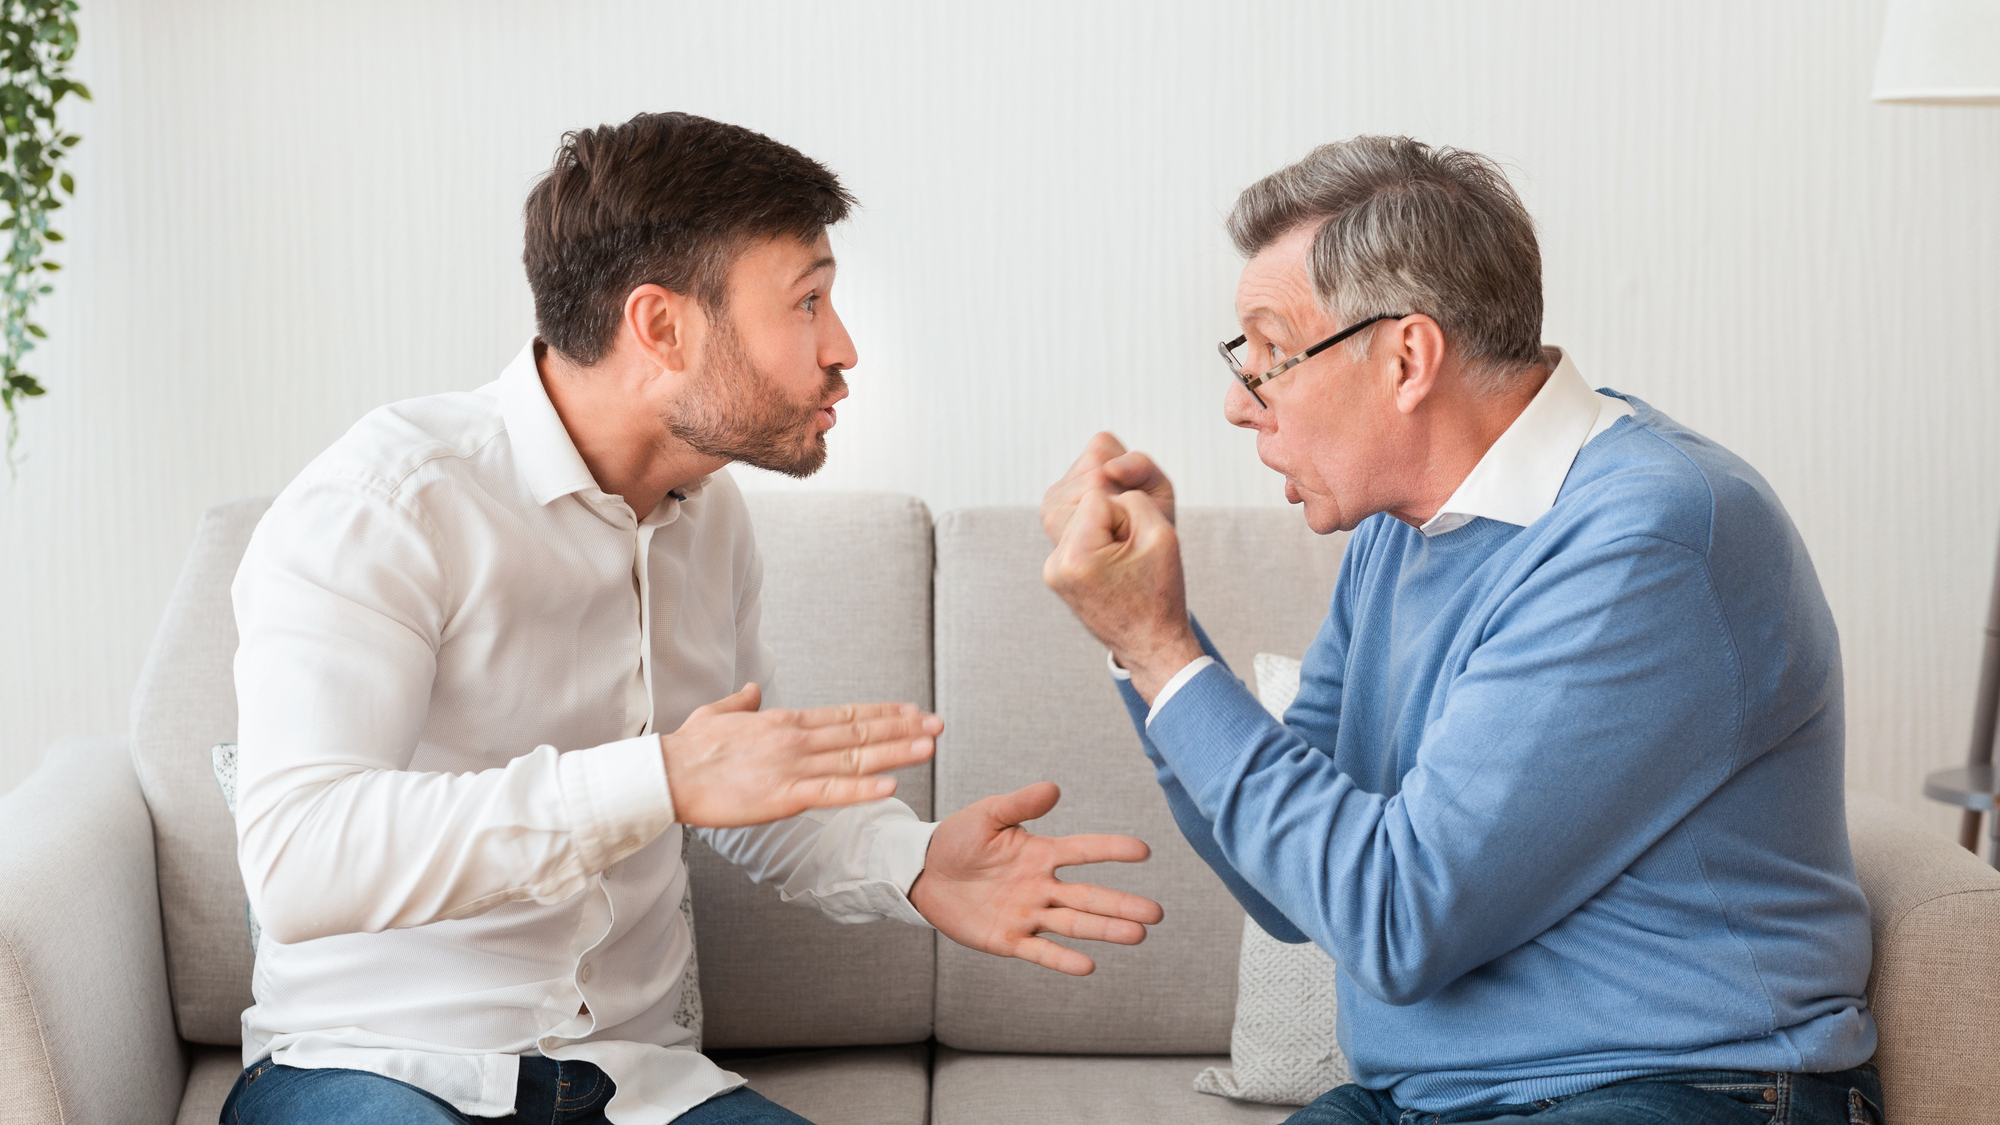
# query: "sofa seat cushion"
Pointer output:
{"type": "Point", "coordinates": [856, 1086]}
{"type": "Point", "coordinates": [215, 1071]}
{"type": "Point", "coordinates": [850, 1086]}
{"type": "Point", "coordinates": [972, 1088]}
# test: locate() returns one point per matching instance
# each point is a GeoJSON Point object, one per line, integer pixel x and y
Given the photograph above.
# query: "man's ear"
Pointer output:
{"type": "Point", "coordinates": [1417, 344]}
{"type": "Point", "coordinates": [663, 326]}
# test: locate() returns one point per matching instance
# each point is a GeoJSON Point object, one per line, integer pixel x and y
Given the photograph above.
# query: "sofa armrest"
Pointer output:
{"type": "Point", "coordinates": [1935, 912]}
{"type": "Point", "coordinates": [86, 1028]}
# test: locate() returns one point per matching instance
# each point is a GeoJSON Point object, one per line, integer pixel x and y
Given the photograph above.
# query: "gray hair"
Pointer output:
{"type": "Point", "coordinates": [1406, 228]}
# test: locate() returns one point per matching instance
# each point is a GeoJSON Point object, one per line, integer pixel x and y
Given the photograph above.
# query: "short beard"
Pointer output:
{"type": "Point", "coordinates": [732, 409]}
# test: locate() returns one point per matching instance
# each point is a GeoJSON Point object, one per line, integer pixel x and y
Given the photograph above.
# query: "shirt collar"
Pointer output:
{"type": "Point", "coordinates": [1518, 479]}
{"type": "Point", "coordinates": [543, 452]}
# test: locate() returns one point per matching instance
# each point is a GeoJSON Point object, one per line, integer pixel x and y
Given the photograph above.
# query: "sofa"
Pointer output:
{"type": "Point", "coordinates": [125, 961]}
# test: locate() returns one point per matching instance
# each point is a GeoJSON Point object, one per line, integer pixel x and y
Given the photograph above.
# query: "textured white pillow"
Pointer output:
{"type": "Point", "coordinates": [1282, 1049]}
{"type": "Point", "coordinates": [222, 759]}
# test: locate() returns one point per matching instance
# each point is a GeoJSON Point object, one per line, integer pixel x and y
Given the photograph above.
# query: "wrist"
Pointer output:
{"type": "Point", "coordinates": [1153, 666]}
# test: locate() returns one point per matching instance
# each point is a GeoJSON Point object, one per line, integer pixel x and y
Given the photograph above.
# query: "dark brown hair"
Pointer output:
{"type": "Point", "coordinates": [667, 199]}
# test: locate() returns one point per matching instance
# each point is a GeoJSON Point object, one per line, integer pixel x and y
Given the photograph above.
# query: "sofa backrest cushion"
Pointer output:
{"type": "Point", "coordinates": [1026, 697]}
{"type": "Point", "coordinates": [847, 606]}
{"type": "Point", "coordinates": [185, 704]}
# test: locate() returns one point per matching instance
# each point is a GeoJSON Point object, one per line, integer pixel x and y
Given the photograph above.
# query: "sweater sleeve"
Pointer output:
{"type": "Point", "coordinates": [1198, 830]}
{"type": "Point", "coordinates": [1600, 705]}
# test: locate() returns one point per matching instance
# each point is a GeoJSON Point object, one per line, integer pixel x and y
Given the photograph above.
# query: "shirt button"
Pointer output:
{"type": "Point", "coordinates": [584, 976]}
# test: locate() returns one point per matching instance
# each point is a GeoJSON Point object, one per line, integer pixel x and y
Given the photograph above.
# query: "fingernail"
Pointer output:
{"type": "Point", "coordinates": [933, 724]}
{"type": "Point", "coordinates": [884, 784]}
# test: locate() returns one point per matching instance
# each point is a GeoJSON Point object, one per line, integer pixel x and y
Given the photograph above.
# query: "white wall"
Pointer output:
{"type": "Point", "coordinates": [291, 213]}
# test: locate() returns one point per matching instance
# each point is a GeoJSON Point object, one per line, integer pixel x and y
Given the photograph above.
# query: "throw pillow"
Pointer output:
{"type": "Point", "coordinates": [1282, 1049]}
{"type": "Point", "coordinates": [222, 759]}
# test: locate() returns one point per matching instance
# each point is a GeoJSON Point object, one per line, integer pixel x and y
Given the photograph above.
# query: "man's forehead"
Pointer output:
{"type": "Point", "coordinates": [785, 258]}
{"type": "Point", "coordinates": [824, 262]}
{"type": "Point", "coordinates": [1276, 284]}
{"type": "Point", "coordinates": [1275, 295]}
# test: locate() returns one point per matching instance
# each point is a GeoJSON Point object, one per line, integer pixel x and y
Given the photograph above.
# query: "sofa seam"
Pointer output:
{"type": "Point", "coordinates": [41, 1027]}
{"type": "Point", "coordinates": [1898, 921]}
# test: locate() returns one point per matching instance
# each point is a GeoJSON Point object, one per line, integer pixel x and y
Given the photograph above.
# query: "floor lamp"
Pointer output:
{"type": "Point", "coordinates": [1947, 52]}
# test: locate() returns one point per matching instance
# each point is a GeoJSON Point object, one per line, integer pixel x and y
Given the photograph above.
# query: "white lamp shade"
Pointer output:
{"type": "Point", "coordinates": [1940, 51]}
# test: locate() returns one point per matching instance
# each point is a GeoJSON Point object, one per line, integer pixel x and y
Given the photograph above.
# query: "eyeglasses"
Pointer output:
{"type": "Point", "coordinates": [1252, 382]}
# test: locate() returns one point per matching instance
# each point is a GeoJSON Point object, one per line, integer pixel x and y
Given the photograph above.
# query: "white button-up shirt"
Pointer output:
{"type": "Point", "coordinates": [1516, 481]}
{"type": "Point", "coordinates": [456, 655]}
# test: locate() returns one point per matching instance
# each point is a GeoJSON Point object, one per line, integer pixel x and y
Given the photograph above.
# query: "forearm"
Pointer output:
{"type": "Point", "coordinates": [1198, 830]}
{"type": "Point", "coordinates": [854, 864]}
{"type": "Point", "coordinates": [327, 847]}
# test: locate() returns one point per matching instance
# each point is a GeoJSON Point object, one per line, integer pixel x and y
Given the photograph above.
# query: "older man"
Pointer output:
{"type": "Point", "coordinates": [1561, 789]}
{"type": "Point", "coordinates": [494, 655]}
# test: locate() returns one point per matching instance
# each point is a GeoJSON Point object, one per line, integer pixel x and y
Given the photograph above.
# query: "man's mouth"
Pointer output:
{"type": "Point", "coordinates": [827, 416]}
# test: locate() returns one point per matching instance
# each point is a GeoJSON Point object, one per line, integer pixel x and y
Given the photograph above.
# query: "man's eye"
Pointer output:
{"type": "Point", "coordinates": [811, 303]}
{"type": "Point", "coordinates": [1277, 353]}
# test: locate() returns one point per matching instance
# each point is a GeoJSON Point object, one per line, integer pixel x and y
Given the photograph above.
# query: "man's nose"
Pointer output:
{"type": "Point", "coordinates": [1241, 409]}
{"type": "Point", "coordinates": [836, 347]}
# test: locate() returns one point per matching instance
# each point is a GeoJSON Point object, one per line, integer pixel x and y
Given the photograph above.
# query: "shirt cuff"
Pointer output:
{"type": "Point", "coordinates": [897, 859]}
{"type": "Point", "coordinates": [616, 798]}
{"type": "Point", "coordinates": [1179, 681]}
{"type": "Point", "coordinates": [1181, 677]}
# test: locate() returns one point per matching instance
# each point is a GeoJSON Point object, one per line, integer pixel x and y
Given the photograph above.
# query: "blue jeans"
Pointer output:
{"type": "Point", "coordinates": [556, 1093]}
{"type": "Point", "coordinates": [1707, 1097]}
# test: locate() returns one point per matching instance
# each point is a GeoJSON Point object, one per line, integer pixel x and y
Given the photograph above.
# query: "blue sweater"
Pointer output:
{"type": "Point", "coordinates": [1563, 801]}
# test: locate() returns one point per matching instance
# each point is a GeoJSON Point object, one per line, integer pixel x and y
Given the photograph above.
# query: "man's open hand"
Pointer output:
{"type": "Point", "coordinates": [1104, 467]}
{"type": "Point", "coordinates": [731, 765]}
{"type": "Point", "coordinates": [989, 884]}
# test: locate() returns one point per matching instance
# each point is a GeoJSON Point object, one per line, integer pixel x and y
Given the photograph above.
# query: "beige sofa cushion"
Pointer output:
{"type": "Point", "coordinates": [1935, 985]}
{"type": "Point", "coordinates": [847, 607]}
{"type": "Point", "coordinates": [864, 1086]}
{"type": "Point", "coordinates": [1025, 697]}
{"type": "Point", "coordinates": [185, 704]}
{"type": "Point", "coordinates": [980, 1089]}
{"type": "Point", "coordinates": [215, 1070]}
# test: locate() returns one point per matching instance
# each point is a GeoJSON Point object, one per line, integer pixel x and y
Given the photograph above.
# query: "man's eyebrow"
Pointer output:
{"type": "Point", "coordinates": [1264, 312]}
{"type": "Point", "coordinates": [810, 270]}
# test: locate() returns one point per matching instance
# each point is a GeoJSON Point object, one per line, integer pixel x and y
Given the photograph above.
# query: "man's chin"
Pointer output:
{"type": "Point", "coordinates": [1322, 515]}
{"type": "Point", "coordinates": [805, 464]}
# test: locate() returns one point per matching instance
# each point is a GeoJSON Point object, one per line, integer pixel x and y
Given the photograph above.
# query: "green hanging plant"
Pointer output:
{"type": "Point", "coordinates": [37, 41]}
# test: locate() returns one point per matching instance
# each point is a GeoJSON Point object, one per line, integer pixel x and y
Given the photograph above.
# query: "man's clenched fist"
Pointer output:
{"type": "Point", "coordinates": [1117, 561]}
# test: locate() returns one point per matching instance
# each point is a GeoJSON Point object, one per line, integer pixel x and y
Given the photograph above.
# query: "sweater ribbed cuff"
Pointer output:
{"type": "Point", "coordinates": [1204, 731]}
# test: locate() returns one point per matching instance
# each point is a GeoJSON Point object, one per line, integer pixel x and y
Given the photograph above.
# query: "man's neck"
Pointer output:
{"type": "Point", "coordinates": [1459, 431]}
{"type": "Point", "coordinates": [613, 413]}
